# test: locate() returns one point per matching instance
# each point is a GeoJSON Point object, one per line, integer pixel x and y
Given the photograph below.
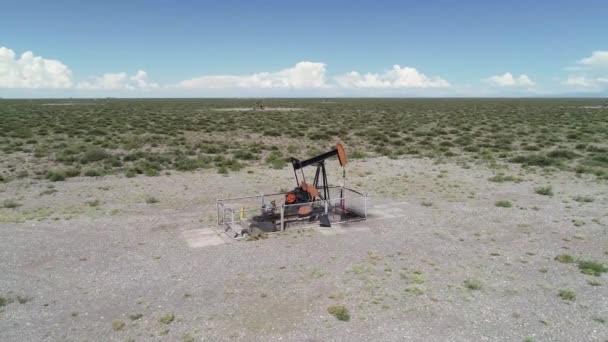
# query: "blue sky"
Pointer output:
{"type": "Point", "coordinates": [312, 48]}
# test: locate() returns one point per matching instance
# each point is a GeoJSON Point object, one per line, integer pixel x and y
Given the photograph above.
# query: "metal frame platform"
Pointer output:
{"type": "Point", "coordinates": [234, 214]}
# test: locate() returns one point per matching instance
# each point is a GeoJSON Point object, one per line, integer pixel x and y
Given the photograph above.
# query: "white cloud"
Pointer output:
{"type": "Point", "coordinates": [590, 73]}
{"type": "Point", "coordinates": [597, 59]}
{"type": "Point", "coordinates": [301, 76]}
{"type": "Point", "coordinates": [578, 81]}
{"type": "Point", "coordinates": [31, 71]}
{"type": "Point", "coordinates": [397, 77]}
{"type": "Point", "coordinates": [585, 82]}
{"type": "Point", "coordinates": [119, 81]}
{"type": "Point", "coordinates": [34, 72]}
{"type": "Point", "coordinates": [141, 80]}
{"type": "Point", "coordinates": [508, 80]}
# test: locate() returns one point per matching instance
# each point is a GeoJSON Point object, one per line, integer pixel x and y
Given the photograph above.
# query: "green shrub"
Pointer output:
{"type": "Point", "coordinates": [209, 148]}
{"type": "Point", "coordinates": [234, 165]}
{"type": "Point", "coordinates": [113, 161]}
{"type": "Point", "coordinates": [591, 267]}
{"type": "Point", "coordinates": [278, 163]}
{"type": "Point", "coordinates": [244, 155]}
{"type": "Point", "coordinates": [166, 318]}
{"type": "Point", "coordinates": [135, 316]}
{"type": "Point", "coordinates": [534, 160]}
{"type": "Point", "coordinates": [565, 258]}
{"type": "Point", "coordinates": [544, 190]}
{"type": "Point", "coordinates": [10, 204]}
{"type": "Point", "coordinates": [592, 148]}
{"type": "Point", "coordinates": [472, 284]}
{"type": "Point", "coordinates": [48, 192]}
{"type": "Point", "coordinates": [358, 155]}
{"type": "Point", "coordinates": [503, 204]}
{"type": "Point", "coordinates": [567, 295]}
{"type": "Point", "coordinates": [189, 164]}
{"type": "Point", "coordinates": [340, 312]}
{"type": "Point", "coordinates": [93, 203]}
{"type": "Point", "coordinates": [272, 133]}
{"type": "Point", "coordinates": [56, 175]}
{"type": "Point", "coordinates": [562, 154]}
{"type": "Point", "coordinates": [597, 160]}
{"type": "Point", "coordinates": [584, 199]}
{"type": "Point", "coordinates": [501, 178]}
{"type": "Point", "coordinates": [276, 160]}
{"type": "Point", "coordinates": [131, 173]}
{"type": "Point", "coordinates": [93, 155]}
{"type": "Point", "coordinates": [97, 131]}
{"type": "Point", "coordinates": [151, 172]}
{"type": "Point", "coordinates": [93, 173]}
{"type": "Point", "coordinates": [151, 200]}
{"type": "Point", "coordinates": [5, 301]}
{"type": "Point", "coordinates": [72, 172]}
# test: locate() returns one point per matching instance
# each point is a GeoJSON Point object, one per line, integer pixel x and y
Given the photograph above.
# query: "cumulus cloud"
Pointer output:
{"type": "Point", "coordinates": [35, 72]}
{"type": "Point", "coordinates": [508, 80]}
{"type": "Point", "coordinates": [597, 62]}
{"type": "Point", "coordinates": [589, 73]}
{"type": "Point", "coordinates": [301, 76]}
{"type": "Point", "coordinates": [597, 59]}
{"type": "Point", "coordinates": [119, 81]}
{"type": "Point", "coordinates": [29, 71]}
{"type": "Point", "coordinates": [397, 77]}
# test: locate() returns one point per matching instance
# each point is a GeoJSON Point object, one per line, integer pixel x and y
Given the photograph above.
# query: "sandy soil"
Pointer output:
{"type": "Point", "coordinates": [89, 259]}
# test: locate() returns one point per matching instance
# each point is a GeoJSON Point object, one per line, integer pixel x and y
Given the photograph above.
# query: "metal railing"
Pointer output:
{"type": "Point", "coordinates": [344, 205]}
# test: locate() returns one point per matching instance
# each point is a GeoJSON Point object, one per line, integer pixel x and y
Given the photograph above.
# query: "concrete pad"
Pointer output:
{"type": "Point", "coordinates": [359, 229]}
{"type": "Point", "coordinates": [327, 231]}
{"type": "Point", "coordinates": [376, 213]}
{"type": "Point", "coordinates": [340, 228]}
{"type": "Point", "coordinates": [204, 237]}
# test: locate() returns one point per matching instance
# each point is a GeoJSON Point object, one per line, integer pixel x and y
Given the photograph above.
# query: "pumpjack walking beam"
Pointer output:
{"type": "Point", "coordinates": [320, 174]}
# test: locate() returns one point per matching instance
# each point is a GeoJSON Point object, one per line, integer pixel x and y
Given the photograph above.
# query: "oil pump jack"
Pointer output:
{"type": "Point", "coordinates": [306, 202]}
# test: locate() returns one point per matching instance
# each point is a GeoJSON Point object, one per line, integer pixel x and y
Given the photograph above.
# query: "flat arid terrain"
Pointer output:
{"type": "Point", "coordinates": [488, 221]}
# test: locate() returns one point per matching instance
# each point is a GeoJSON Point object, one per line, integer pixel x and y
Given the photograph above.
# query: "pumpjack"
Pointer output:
{"type": "Point", "coordinates": [306, 202]}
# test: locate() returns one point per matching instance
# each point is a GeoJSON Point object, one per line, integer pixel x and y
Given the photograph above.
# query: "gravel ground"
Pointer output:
{"type": "Point", "coordinates": [90, 259]}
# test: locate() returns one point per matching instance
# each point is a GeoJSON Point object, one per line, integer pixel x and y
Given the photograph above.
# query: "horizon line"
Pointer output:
{"type": "Point", "coordinates": [305, 98]}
